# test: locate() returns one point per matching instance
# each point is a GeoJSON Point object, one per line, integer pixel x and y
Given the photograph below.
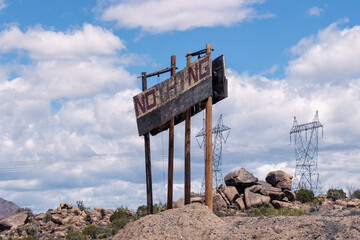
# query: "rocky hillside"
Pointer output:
{"type": "Point", "coordinates": [195, 221]}
{"type": "Point", "coordinates": [7, 208]}
{"type": "Point", "coordinates": [246, 208]}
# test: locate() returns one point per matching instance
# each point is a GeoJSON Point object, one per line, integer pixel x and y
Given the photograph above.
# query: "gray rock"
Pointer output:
{"type": "Point", "coordinates": [290, 195]}
{"type": "Point", "coordinates": [274, 193]}
{"type": "Point", "coordinates": [231, 193]}
{"type": "Point", "coordinates": [14, 221]}
{"type": "Point", "coordinates": [253, 199]}
{"type": "Point", "coordinates": [279, 179]}
{"type": "Point", "coordinates": [240, 178]}
{"type": "Point", "coordinates": [240, 202]}
{"type": "Point", "coordinates": [57, 219]}
{"type": "Point", "coordinates": [280, 204]}
{"type": "Point", "coordinates": [219, 203]}
{"type": "Point", "coordinates": [7, 208]}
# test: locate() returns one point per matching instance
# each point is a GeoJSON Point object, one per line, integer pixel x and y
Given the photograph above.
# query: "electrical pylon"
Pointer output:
{"type": "Point", "coordinates": [306, 139]}
{"type": "Point", "coordinates": [217, 148]}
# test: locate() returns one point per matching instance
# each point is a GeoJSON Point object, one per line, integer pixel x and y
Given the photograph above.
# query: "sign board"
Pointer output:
{"type": "Point", "coordinates": [155, 106]}
{"type": "Point", "coordinates": [219, 92]}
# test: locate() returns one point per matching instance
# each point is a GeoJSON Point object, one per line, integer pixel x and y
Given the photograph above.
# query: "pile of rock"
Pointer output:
{"type": "Point", "coordinates": [54, 224]}
{"type": "Point", "coordinates": [243, 191]}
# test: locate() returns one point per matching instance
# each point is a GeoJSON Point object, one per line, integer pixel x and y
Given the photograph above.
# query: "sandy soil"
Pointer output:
{"type": "Point", "coordinates": [195, 221]}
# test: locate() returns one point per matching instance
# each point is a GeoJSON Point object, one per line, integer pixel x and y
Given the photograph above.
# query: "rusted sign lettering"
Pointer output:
{"type": "Point", "coordinates": [158, 104]}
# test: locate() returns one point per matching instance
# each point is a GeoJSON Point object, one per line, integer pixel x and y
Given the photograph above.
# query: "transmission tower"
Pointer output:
{"type": "Point", "coordinates": [306, 139]}
{"type": "Point", "coordinates": [217, 149]}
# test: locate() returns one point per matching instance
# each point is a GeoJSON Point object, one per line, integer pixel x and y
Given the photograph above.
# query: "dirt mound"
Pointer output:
{"type": "Point", "coordinates": [195, 221]}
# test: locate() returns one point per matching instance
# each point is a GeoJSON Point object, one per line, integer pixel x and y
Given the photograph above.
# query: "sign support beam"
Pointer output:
{"type": "Point", "coordinates": [187, 168]}
{"type": "Point", "coordinates": [171, 148]}
{"type": "Point", "coordinates": [208, 157]}
{"type": "Point", "coordinates": [149, 195]}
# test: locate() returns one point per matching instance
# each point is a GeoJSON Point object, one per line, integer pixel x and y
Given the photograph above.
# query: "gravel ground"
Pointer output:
{"type": "Point", "coordinates": [195, 221]}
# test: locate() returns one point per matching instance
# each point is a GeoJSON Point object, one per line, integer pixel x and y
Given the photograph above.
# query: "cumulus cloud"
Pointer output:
{"type": "Point", "coordinates": [330, 56]}
{"type": "Point", "coordinates": [315, 11]}
{"type": "Point", "coordinates": [2, 4]}
{"type": "Point", "coordinates": [76, 43]}
{"type": "Point", "coordinates": [157, 16]}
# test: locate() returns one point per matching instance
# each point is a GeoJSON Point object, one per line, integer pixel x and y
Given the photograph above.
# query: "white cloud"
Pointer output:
{"type": "Point", "coordinates": [315, 11]}
{"type": "Point", "coordinates": [331, 56]}
{"type": "Point", "coordinates": [2, 4]}
{"type": "Point", "coordinates": [74, 44]}
{"type": "Point", "coordinates": [157, 16]}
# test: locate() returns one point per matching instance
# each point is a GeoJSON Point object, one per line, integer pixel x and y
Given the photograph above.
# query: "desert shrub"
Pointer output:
{"type": "Point", "coordinates": [141, 211]}
{"type": "Point", "coordinates": [336, 194]}
{"type": "Point", "coordinates": [19, 231]}
{"type": "Point", "coordinates": [268, 210]}
{"type": "Point", "coordinates": [88, 218]}
{"type": "Point", "coordinates": [31, 231]}
{"type": "Point", "coordinates": [356, 194]}
{"type": "Point", "coordinates": [80, 204]}
{"type": "Point", "coordinates": [102, 212]}
{"type": "Point", "coordinates": [305, 195]}
{"type": "Point", "coordinates": [75, 235]}
{"type": "Point", "coordinates": [25, 209]}
{"type": "Point", "coordinates": [28, 238]}
{"type": "Point", "coordinates": [91, 231]}
{"type": "Point", "coordinates": [47, 217]}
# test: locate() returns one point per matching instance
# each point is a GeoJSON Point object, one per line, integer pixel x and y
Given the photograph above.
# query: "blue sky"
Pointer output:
{"type": "Point", "coordinates": [68, 74]}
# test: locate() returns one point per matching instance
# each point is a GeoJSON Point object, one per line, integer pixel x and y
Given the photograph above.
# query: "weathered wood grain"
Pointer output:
{"type": "Point", "coordinates": [155, 106]}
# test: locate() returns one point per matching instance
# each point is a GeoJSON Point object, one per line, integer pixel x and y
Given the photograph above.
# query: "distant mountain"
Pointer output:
{"type": "Point", "coordinates": [7, 208]}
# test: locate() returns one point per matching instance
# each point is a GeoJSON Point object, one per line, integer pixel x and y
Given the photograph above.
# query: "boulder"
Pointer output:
{"type": "Point", "coordinates": [14, 221]}
{"type": "Point", "coordinates": [231, 193]}
{"type": "Point", "coordinates": [240, 178]}
{"type": "Point", "coordinates": [196, 200]}
{"type": "Point", "coordinates": [240, 202]}
{"type": "Point", "coordinates": [274, 193]}
{"type": "Point", "coordinates": [57, 219]}
{"type": "Point", "coordinates": [279, 179]}
{"type": "Point", "coordinates": [253, 199]}
{"type": "Point", "coordinates": [291, 196]}
{"type": "Point", "coordinates": [219, 203]}
{"type": "Point", "coordinates": [222, 194]}
{"type": "Point", "coordinates": [180, 202]}
{"type": "Point", "coordinates": [258, 189]}
{"type": "Point", "coordinates": [280, 204]}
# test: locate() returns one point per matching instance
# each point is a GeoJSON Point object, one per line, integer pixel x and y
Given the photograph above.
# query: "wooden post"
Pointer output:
{"type": "Point", "coordinates": [149, 195]}
{"type": "Point", "coordinates": [208, 157]}
{"type": "Point", "coordinates": [187, 180]}
{"type": "Point", "coordinates": [171, 148]}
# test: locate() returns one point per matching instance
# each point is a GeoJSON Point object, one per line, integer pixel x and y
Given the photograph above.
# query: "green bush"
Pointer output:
{"type": "Point", "coordinates": [28, 238]}
{"type": "Point", "coordinates": [305, 195]}
{"type": "Point", "coordinates": [103, 213]}
{"type": "Point", "coordinates": [268, 210]}
{"type": "Point", "coordinates": [141, 211]}
{"type": "Point", "coordinates": [91, 231]}
{"type": "Point", "coordinates": [80, 205]}
{"type": "Point", "coordinates": [120, 213]}
{"type": "Point", "coordinates": [31, 231]}
{"type": "Point", "coordinates": [47, 217]}
{"type": "Point", "coordinates": [356, 194]}
{"type": "Point", "coordinates": [336, 194]}
{"type": "Point", "coordinates": [75, 235]}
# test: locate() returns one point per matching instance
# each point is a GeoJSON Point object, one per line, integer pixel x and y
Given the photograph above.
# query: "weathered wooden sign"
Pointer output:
{"type": "Point", "coordinates": [219, 92]}
{"type": "Point", "coordinates": [155, 106]}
